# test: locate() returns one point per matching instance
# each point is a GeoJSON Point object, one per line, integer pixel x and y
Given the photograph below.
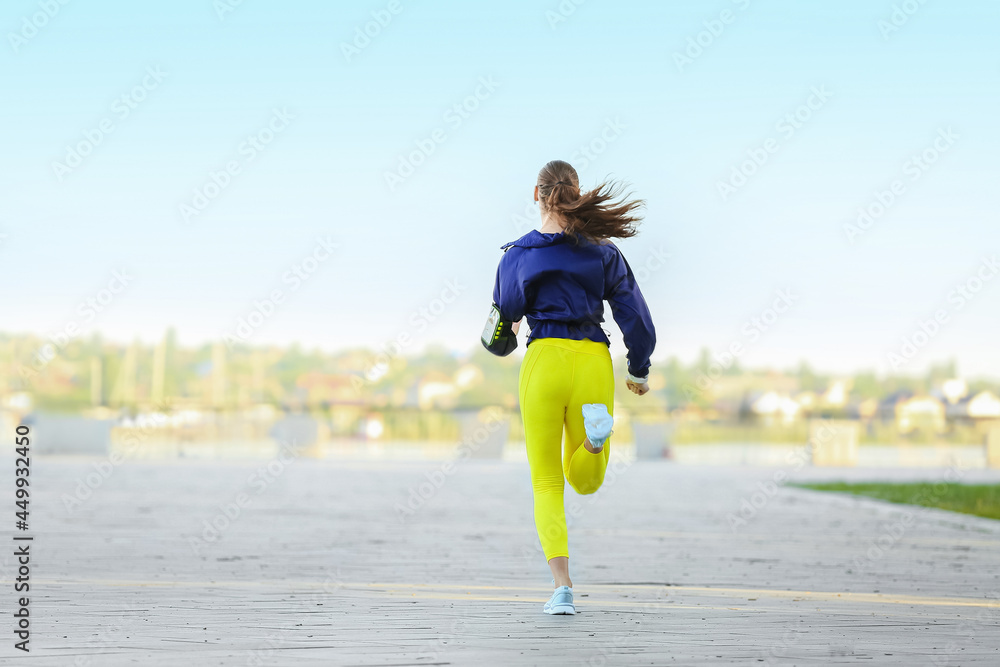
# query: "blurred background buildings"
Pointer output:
{"type": "Point", "coordinates": [231, 398]}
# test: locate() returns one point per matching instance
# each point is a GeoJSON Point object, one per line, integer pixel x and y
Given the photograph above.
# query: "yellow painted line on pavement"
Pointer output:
{"type": "Point", "coordinates": [825, 596]}
{"type": "Point", "coordinates": [442, 590]}
{"type": "Point", "coordinates": [584, 603]}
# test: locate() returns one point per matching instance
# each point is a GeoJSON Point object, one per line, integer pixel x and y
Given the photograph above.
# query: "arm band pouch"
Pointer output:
{"type": "Point", "coordinates": [498, 337]}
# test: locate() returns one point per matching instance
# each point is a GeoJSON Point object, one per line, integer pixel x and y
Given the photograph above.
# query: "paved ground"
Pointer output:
{"type": "Point", "coordinates": [671, 564]}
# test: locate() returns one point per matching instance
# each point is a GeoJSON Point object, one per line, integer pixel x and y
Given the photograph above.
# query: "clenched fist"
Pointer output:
{"type": "Point", "coordinates": [637, 388]}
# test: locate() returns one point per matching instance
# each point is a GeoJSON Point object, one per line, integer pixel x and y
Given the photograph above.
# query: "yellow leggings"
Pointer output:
{"type": "Point", "coordinates": [557, 377]}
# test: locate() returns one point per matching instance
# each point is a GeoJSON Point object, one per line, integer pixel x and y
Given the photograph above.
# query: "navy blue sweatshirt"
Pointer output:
{"type": "Point", "coordinates": [561, 288]}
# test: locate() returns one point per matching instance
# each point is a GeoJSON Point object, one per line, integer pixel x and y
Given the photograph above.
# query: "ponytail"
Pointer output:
{"type": "Point", "coordinates": [602, 213]}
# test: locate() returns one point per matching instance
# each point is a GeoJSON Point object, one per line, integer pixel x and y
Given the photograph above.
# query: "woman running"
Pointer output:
{"type": "Point", "coordinates": [558, 277]}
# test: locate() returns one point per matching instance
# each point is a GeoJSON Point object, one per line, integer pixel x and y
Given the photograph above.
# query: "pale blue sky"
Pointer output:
{"type": "Point", "coordinates": [557, 88]}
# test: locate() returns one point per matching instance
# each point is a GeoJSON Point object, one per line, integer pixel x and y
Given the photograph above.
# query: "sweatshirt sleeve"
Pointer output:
{"type": "Point", "coordinates": [630, 312]}
{"type": "Point", "coordinates": [508, 292]}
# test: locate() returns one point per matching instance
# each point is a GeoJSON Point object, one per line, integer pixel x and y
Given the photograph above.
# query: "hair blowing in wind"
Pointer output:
{"type": "Point", "coordinates": [601, 213]}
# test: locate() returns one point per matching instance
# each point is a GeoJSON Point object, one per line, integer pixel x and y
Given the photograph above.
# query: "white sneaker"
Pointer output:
{"type": "Point", "coordinates": [561, 602]}
{"type": "Point", "coordinates": [597, 422]}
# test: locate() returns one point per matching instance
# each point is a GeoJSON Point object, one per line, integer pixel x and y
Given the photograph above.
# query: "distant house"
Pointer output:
{"type": "Point", "coordinates": [833, 399]}
{"type": "Point", "coordinates": [772, 405]}
{"type": "Point", "coordinates": [912, 412]}
{"type": "Point", "coordinates": [954, 390]}
{"type": "Point", "coordinates": [737, 387]}
{"type": "Point", "coordinates": [865, 409]}
{"type": "Point", "coordinates": [836, 395]}
{"type": "Point", "coordinates": [887, 406]}
{"type": "Point", "coordinates": [984, 405]}
{"type": "Point", "coordinates": [330, 388]}
{"type": "Point", "coordinates": [807, 400]}
{"type": "Point", "coordinates": [21, 402]}
{"type": "Point", "coordinates": [468, 375]}
{"type": "Point", "coordinates": [690, 412]}
{"type": "Point", "coordinates": [436, 390]}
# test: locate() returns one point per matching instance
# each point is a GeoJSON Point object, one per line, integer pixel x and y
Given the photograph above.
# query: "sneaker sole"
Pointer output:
{"type": "Point", "coordinates": [561, 609]}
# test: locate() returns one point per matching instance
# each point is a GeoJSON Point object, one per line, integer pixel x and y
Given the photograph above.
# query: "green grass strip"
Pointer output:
{"type": "Point", "coordinates": [977, 499]}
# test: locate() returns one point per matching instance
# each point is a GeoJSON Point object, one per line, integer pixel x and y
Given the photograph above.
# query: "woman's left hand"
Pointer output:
{"type": "Point", "coordinates": [638, 389]}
